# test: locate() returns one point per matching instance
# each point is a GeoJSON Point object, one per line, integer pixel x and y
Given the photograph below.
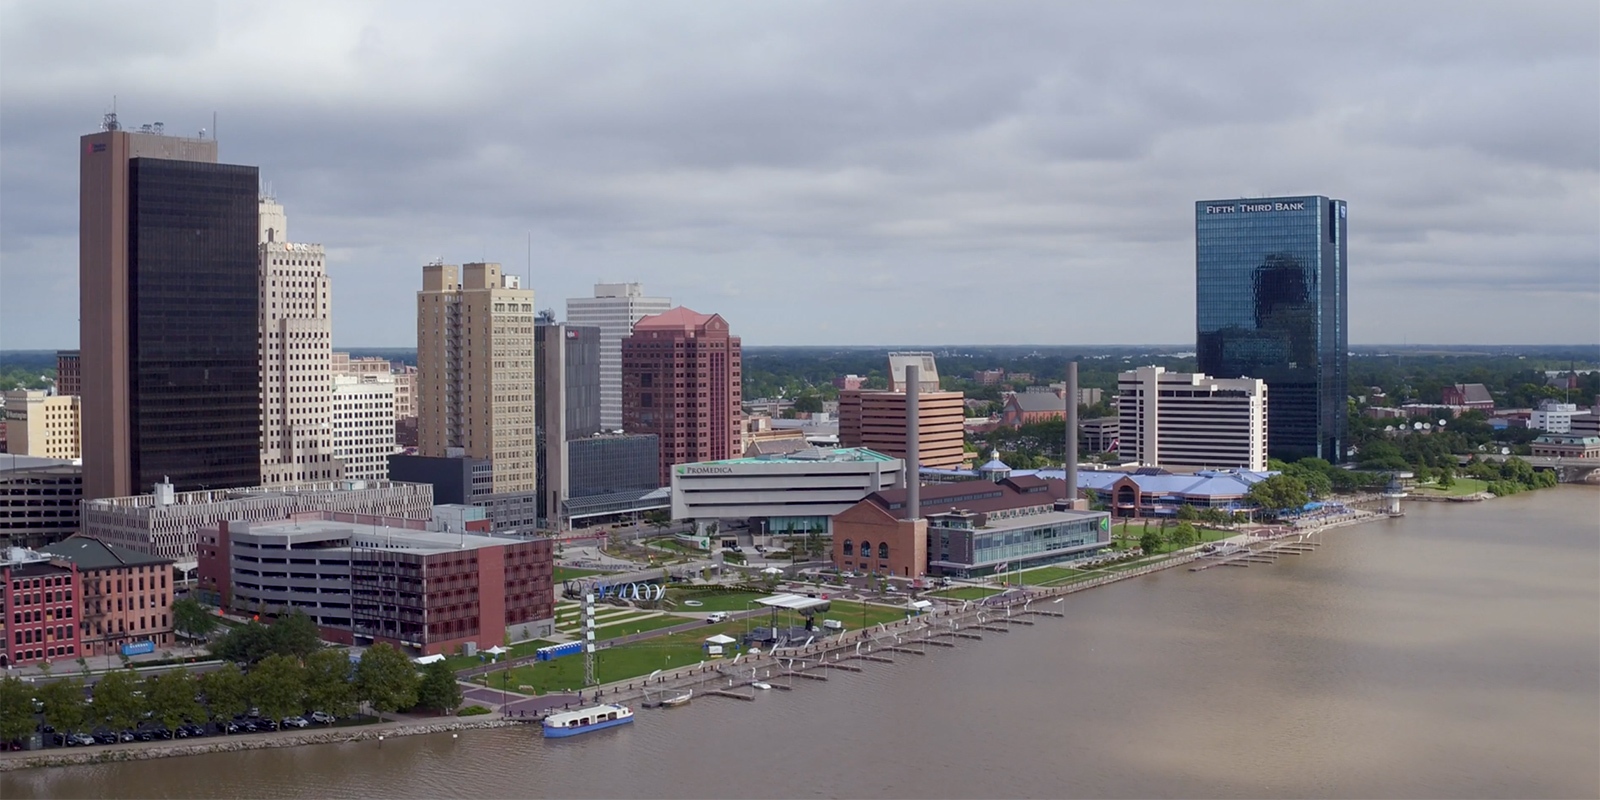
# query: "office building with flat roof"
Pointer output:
{"type": "Point", "coordinates": [362, 425]}
{"type": "Point", "coordinates": [475, 370]}
{"type": "Point", "coordinates": [877, 421]}
{"type": "Point", "coordinates": [69, 373]}
{"type": "Point", "coordinates": [681, 382]}
{"type": "Point", "coordinates": [567, 359]}
{"type": "Point", "coordinates": [296, 324]}
{"type": "Point", "coordinates": [126, 595]}
{"type": "Point", "coordinates": [1272, 302]}
{"type": "Point", "coordinates": [1184, 420]}
{"type": "Point", "coordinates": [42, 424]}
{"type": "Point", "coordinates": [794, 493]}
{"type": "Point", "coordinates": [614, 309]}
{"type": "Point", "coordinates": [168, 326]}
{"type": "Point", "coordinates": [367, 579]}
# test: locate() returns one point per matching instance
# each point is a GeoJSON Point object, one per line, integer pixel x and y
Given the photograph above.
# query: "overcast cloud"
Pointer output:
{"type": "Point", "coordinates": [848, 173]}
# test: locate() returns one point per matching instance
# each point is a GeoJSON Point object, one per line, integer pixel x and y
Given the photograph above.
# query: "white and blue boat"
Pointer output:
{"type": "Point", "coordinates": [593, 718]}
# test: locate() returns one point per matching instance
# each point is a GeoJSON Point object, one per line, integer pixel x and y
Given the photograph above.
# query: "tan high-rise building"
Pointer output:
{"type": "Point", "coordinates": [296, 351]}
{"type": "Point", "coordinates": [877, 421]}
{"type": "Point", "coordinates": [614, 309]}
{"type": "Point", "coordinates": [39, 424]}
{"type": "Point", "coordinates": [475, 370]}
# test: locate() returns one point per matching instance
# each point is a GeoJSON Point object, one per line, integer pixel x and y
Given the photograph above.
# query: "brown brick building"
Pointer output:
{"type": "Point", "coordinates": [877, 421]}
{"type": "Point", "coordinates": [39, 609]}
{"type": "Point", "coordinates": [681, 380]}
{"type": "Point", "coordinates": [127, 595]}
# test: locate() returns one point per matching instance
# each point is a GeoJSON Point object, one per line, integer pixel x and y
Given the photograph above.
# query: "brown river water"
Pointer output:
{"type": "Point", "coordinates": [1452, 653]}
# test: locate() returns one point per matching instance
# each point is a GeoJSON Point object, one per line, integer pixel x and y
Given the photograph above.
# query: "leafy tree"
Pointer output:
{"type": "Point", "coordinates": [1188, 513]}
{"type": "Point", "coordinates": [328, 683]}
{"type": "Point", "coordinates": [386, 679]}
{"type": "Point", "coordinates": [1184, 535]}
{"type": "Point", "coordinates": [225, 691]}
{"type": "Point", "coordinates": [63, 704]}
{"type": "Point", "coordinates": [171, 697]}
{"type": "Point", "coordinates": [115, 701]}
{"type": "Point", "coordinates": [190, 618]}
{"type": "Point", "coordinates": [1150, 542]}
{"type": "Point", "coordinates": [294, 634]}
{"type": "Point", "coordinates": [245, 644]}
{"type": "Point", "coordinates": [438, 689]}
{"type": "Point", "coordinates": [278, 686]}
{"type": "Point", "coordinates": [808, 403]}
{"type": "Point", "coordinates": [16, 709]}
{"type": "Point", "coordinates": [1279, 492]}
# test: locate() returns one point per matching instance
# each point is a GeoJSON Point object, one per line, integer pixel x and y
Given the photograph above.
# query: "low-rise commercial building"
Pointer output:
{"type": "Point", "coordinates": [127, 596]}
{"type": "Point", "coordinates": [367, 579]}
{"type": "Point", "coordinates": [43, 424]}
{"type": "Point", "coordinates": [40, 500]}
{"type": "Point", "coordinates": [1553, 417]}
{"type": "Point", "coordinates": [1469, 395]}
{"type": "Point", "coordinates": [877, 421]}
{"type": "Point", "coordinates": [1158, 493]}
{"type": "Point", "coordinates": [40, 606]}
{"type": "Point", "coordinates": [796, 492]}
{"type": "Point", "coordinates": [1566, 445]}
{"type": "Point", "coordinates": [967, 529]}
{"type": "Point", "coordinates": [1176, 419]}
{"type": "Point", "coordinates": [164, 523]}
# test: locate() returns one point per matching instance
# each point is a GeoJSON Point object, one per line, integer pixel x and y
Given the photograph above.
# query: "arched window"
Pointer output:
{"type": "Point", "coordinates": [866, 549]}
{"type": "Point", "coordinates": [883, 550]}
{"type": "Point", "coordinates": [848, 548]}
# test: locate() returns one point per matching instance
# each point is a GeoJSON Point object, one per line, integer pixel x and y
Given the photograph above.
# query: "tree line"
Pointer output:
{"type": "Point", "coordinates": [278, 685]}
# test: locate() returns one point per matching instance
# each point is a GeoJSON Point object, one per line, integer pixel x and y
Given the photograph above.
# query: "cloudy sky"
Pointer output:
{"type": "Point", "coordinates": [848, 173]}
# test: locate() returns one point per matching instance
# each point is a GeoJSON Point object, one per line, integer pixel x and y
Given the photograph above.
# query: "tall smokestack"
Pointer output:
{"type": "Point", "coordinates": [1072, 432]}
{"type": "Point", "coordinates": [913, 445]}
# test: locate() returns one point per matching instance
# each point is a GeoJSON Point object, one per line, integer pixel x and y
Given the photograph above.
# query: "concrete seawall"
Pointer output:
{"type": "Point", "coordinates": [225, 744]}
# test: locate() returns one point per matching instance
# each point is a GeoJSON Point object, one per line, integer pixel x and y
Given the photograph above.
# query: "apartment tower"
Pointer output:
{"type": "Point", "coordinates": [475, 370]}
{"type": "Point", "coordinates": [614, 309]}
{"type": "Point", "coordinates": [1186, 420]}
{"type": "Point", "coordinates": [681, 380]}
{"type": "Point", "coordinates": [168, 302]}
{"type": "Point", "coordinates": [296, 347]}
{"type": "Point", "coordinates": [877, 419]}
{"type": "Point", "coordinates": [568, 401]}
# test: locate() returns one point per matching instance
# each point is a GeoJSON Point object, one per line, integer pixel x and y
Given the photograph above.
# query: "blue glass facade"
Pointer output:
{"type": "Point", "coordinates": [1271, 298]}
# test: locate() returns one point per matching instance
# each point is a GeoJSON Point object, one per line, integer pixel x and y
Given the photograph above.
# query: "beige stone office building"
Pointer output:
{"type": "Point", "coordinates": [296, 349]}
{"type": "Point", "coordinates": [363, 425]}
{"type": "Point", "coordinates": [40, 424]}
{"type": "Point", "coordinates": [877, 421]}
{"type": "Point", "coordinates": [475, 370]}
{"type": "Point", "coordinates": [1183, 420]}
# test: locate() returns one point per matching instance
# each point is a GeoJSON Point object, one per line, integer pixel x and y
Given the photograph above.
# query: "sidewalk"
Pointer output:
{"type": "Point", "coordinates": [100, 665]}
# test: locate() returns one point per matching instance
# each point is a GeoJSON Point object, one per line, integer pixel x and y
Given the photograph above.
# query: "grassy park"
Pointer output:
{"type": "Point", "coordinates": [965, 593]}
{"type": "Point", "coordinates": [711, 601]}
{"type": "Point", "coordinates": [1460, 488]}
{"type": "Point", "coordinates": [569, 573]}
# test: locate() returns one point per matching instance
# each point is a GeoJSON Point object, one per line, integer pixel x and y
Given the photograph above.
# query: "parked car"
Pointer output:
{"type": "Point", "coordinates": [296, 722]}
{"type": "Point", "coordinates": [106, 737]}
{"type": "Point", "coordinates": [233, 727]}
{"type": "Point", "coordinates": [716, 616]}
{"type": "Point", "coordinates": [266, 725]}
{"type": "Point", "coordinates": [194, 729]}
{"type": "Point", "coordinates": [80, 740]}
{"type": "Point", "coordinates": [323, 717]}
{"type": "Point", "coordinates": [127, 736]}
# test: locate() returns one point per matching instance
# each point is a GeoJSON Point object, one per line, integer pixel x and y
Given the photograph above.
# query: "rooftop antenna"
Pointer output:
{"type": "Point", "coordinates": [213, 125]}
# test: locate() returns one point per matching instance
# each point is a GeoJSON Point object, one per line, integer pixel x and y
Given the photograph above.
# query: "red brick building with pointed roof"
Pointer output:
{"type": "Point", "coordinates": [681, 380]}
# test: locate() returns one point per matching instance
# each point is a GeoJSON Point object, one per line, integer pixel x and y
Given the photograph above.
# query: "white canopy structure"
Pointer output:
{"type": "Point", "coordinates": [792, 602]}
{"type": "Point", "coordinates": [721, 638]}
{"type": "Point", "coordinates": [425, 660]}
{"type": "Point", "coordinates": [496, 650]}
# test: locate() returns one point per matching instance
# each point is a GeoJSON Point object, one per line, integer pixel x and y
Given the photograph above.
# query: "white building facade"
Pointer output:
{"type": "Point", "coordinates": [793, 493]}
{"type": "Point", "coordinates": [614, 309]}
{"type": "Point", "coordinates": [1553, 417]}
{"type": "Point", "coordinates": [363, 425]}
{"type": "Point", "coordinates": [1178, 420]}
{"type": "Point", "coordinates": [296, 328]}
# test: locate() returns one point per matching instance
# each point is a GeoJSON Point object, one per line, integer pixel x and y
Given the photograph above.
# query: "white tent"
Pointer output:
{"type": "Point", "coordinates": [425, 660]}
{"type": "Point", "coordinates": [496, 650]}
{"type": "Point", "coordinates": [772, 571]}
{"type": "Point", "coordinates": [721, 638]}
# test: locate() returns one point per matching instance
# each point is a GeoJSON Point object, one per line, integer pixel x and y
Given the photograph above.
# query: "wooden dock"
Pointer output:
{"type": "Point", "coordinates": [734, 695]}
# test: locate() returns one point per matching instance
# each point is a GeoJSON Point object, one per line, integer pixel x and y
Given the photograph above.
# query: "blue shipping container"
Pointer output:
{"type": "Point", "coordinates": [139, 648]}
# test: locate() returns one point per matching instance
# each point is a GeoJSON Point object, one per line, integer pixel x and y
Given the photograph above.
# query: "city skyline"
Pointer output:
{"type": "Point", "coordinates": [846, 166]}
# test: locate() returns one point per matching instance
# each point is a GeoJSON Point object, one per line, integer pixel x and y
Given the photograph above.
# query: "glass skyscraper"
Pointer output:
{"type": "Point", "coordinates": [1271, 296]}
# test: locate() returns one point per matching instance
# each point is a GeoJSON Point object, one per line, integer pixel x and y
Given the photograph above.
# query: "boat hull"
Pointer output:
{"type": "Point", "coordinates": [562, 733]}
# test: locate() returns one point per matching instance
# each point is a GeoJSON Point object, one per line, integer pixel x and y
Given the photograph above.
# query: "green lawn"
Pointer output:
{"type": "Point", "coordinates": [517, 651]}
{"type": "Point", "coordinates": [636, 626]}
{"type": "Point", "coordinates": [712, 601]}
{"type": "Point", "coordinates": [1044, 575]}
{"type": "Point", "coordinates": [619, 663]}
{"type": "Point", "coordinates": [966, 592]}
{"type": "Point", "coordinates": [851, 614]}
{"type": "Point", "coordinates": [1461, 487]}
{"type": "Point", "coordinates": [562, 574]}
{"type": "Point", "coordinates": [676, 546]}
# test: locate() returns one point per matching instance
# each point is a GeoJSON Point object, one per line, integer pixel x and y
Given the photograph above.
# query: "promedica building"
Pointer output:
{"type": "Point", "coordinates": [793, 493]}
{"type": "Point", "coordinates": [1271, 298]}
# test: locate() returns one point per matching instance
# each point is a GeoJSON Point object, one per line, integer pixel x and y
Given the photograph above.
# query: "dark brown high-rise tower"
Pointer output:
{"type": "Point", "coordinates": [168, 294]}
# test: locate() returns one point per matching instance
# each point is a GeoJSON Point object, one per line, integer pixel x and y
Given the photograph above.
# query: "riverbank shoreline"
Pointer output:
{"type": "Point", "coordinates": [10, 762]}
{"type": "Point", "coordinates": [706, 675]}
